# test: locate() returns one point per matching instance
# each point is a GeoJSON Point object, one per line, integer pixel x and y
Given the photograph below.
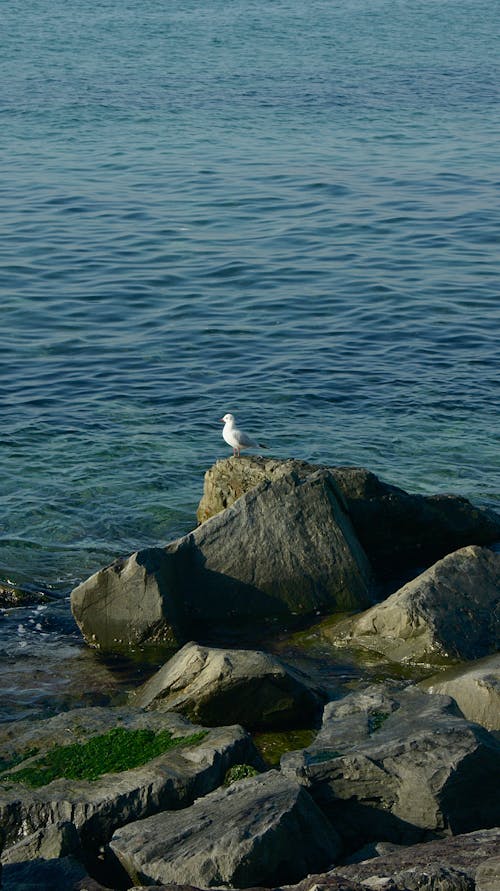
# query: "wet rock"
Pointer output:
{"type": "Point", "coordinates": [474, 687]}
{"type": "Point", "coordinates": [450, 610]}
{"type": "Point", "coordinates": [97, 807]}
{"type": "Point", "coordinates": [398, 531]}
{"type": "Point", "coordinates": [285, 548]}
{"type": "Point", "coordinates": [263, 830]}
{"type": "Point", "coordinates": [214, 686]}
{"type": "Point", "coordinates": [395, 764]}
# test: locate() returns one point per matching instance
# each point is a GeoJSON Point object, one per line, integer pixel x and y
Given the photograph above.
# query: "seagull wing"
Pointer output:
{"type": "Point", "coordinates": [244, 440]}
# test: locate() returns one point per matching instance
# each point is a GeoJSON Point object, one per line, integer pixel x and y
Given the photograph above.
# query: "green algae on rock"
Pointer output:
{"type": "Point", "coordinates": [119, 749]}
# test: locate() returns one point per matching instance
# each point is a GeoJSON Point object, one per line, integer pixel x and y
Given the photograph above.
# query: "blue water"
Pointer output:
{"type": "Point", "coordinates": [285, 210]}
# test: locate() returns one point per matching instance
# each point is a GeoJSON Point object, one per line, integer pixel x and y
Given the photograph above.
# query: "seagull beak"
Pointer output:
{"type": "Point", "coordinates": [221, 419]}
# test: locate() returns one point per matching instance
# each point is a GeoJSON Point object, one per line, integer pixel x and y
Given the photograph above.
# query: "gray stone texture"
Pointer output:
{"type": "Point", "coordinates": [399, 765]}
{"type": "Point", "coordinates": [97, 807]}
{"type": "Point", "coordinates": [450, 610]}
{"type": "Point", "coordinates": [214, 686]}
{"type": "Point", "coordinates": [284, 549]}
{"type": "Point", "coordinates": [398, 531]}
{"type": "Point", "coordinates": [259, 831]}
{"type": "Point", "coordinates": [475, 687]}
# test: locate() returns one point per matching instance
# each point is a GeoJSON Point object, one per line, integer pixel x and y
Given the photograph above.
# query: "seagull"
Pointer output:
{"type": "Point", "coordinates": [237, 439]}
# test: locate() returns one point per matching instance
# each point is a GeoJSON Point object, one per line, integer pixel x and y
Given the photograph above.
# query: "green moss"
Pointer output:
{"type": "Point", "coordinates": [239, 772]}
{"type": "Point", "coordinates": [273, 745]}
{"type": "Point", "coordinates": [111, 752]}
{"type": "Point", "coordinates": [376, 719]}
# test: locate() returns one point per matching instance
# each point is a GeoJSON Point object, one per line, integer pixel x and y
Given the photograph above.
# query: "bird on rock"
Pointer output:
{"type": "Point", "coordinates": [237, 439]}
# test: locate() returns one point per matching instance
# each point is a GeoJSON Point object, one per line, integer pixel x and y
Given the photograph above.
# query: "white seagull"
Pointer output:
{"type": "Point", "coordinates": [237, 439]}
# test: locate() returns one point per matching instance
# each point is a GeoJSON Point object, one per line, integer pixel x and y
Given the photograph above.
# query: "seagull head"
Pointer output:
{"type": "Point", "coordinates": [228, 419]}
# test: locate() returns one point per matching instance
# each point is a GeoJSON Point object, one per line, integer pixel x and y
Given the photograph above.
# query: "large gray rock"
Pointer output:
{"type": "Point", "coordinates": [397, 530]}
{"type": "Point", "coordinates": [461, 863]}
{"type": "Point", "coordinates": [259, 831]}
{"type": "Point", "coordinates": [98, 807]}
{"type": "Point", "coordinates": [394, 764]}
{"type": "Point", "coordinates": [286, 548]}
{"type": "Point", "coordinates": [214, 686]}
{"type": "Point", "coordinates": [450, 610]}
{"type": "Point", "coordinates": [475, 687]}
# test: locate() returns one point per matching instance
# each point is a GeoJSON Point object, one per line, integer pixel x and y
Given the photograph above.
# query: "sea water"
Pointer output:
{"type": "Point", "coordinates": [281, 209]}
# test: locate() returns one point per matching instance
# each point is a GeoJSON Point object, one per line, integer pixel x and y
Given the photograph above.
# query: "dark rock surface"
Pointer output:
{"type": "Point", "coordinates": [286, 548]}
{"type": "Point", "coordinates": [450, 610]}
{"type": "Point", "coordinates": [399, 765]}
{"type": "Point", "coordinates": [214, 686]}
{"type": "Point", "coordinates": [461, 855]}
{"type": "Point", "coordinates": [258, 831]}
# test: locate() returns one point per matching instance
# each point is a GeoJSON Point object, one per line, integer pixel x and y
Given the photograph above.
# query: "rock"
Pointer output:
{"type": "Point", "coordinates": [395, 764]}
{"type": "Point", "coordinates": [215, 686]}
{"type": "Point", "coordinates": [249, 834]}
{"type": "Point", "coordinates": [474, 687]}
{"type": "Point", "coordinates": [285, 548]}
{"type": "Point", "coordinates": [397, 530]}
{"type": "Point", "coordinates": [450, 610]}
{"type": "Point", "coordinates": [460, 860]}
{"type": "Point", "coordinates": [64, 874]}
{"type": "Point", "coordinates": [130, 603]}
{"type": "Point", "coordinates": [48, 843]}
{"type": "Point", "coordinates": [488, 874]}
{"type": "Point", "coordinates": [97, 807]}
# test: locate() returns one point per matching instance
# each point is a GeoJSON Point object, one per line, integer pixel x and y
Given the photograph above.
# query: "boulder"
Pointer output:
{"type": "Point", "coordinates": [260, 831]}
{"type": "Point", "coordinates": [449, 864]}
{"type": "Point", "coordinates": [475, 687]}
{"type": "Point", "coordinates": [97, 807]}
{"type": "Point", "coordinates": [284, 549]}
{"type": "Point", "coordinates": [397, 764]}
{"type": "Point", "coordinates": [451, 610]}
{"type": "Point", "coordinates": [397, 530]}
{"type": "Point", "coordinates": [214, 686]}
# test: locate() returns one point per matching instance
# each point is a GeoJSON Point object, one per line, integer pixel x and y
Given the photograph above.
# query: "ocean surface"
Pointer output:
{"type": "Point", "coordinates": [281, 209]}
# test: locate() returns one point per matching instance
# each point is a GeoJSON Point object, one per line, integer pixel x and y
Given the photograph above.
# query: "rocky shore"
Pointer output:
{"type": "Point", "coordinates": [387, 783]}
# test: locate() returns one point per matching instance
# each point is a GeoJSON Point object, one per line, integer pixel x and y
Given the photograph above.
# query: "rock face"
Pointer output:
{"type": "Point", "coordinates": [393, 765]}
{"type": "Point", "coordinates": [285, 548]}
{"type": "Point", "coordinates": [260, 831]}
{"type": "Point", "coordinates": [212, 686]}
{"type": "Point", "coordinates": [397, 530]}
{"type": "Point", "coordinates": [97, 807]}
{"type": "Point", "coordinates": [475, 688]}
{"type": "Point", "coordinates": [451, 609]}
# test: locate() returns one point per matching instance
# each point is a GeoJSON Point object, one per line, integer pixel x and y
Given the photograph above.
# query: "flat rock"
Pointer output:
{"type": "Point", "coordinates": [252, 833]}
{"type": "Point", "coordinates": [96, 808]}
{"type": "Point", "coordinates": [286, 548]}
{"type": "Point", "coordinates": [451, 610]}
{"type": "Point", "coordinates": [397, 530]}
{"type": "Point", "coordinates": [475, 687]}
{"type": "Point", "coordinates": [397, 764]}
{"type": "Point", "coordinates": [213, 686]}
